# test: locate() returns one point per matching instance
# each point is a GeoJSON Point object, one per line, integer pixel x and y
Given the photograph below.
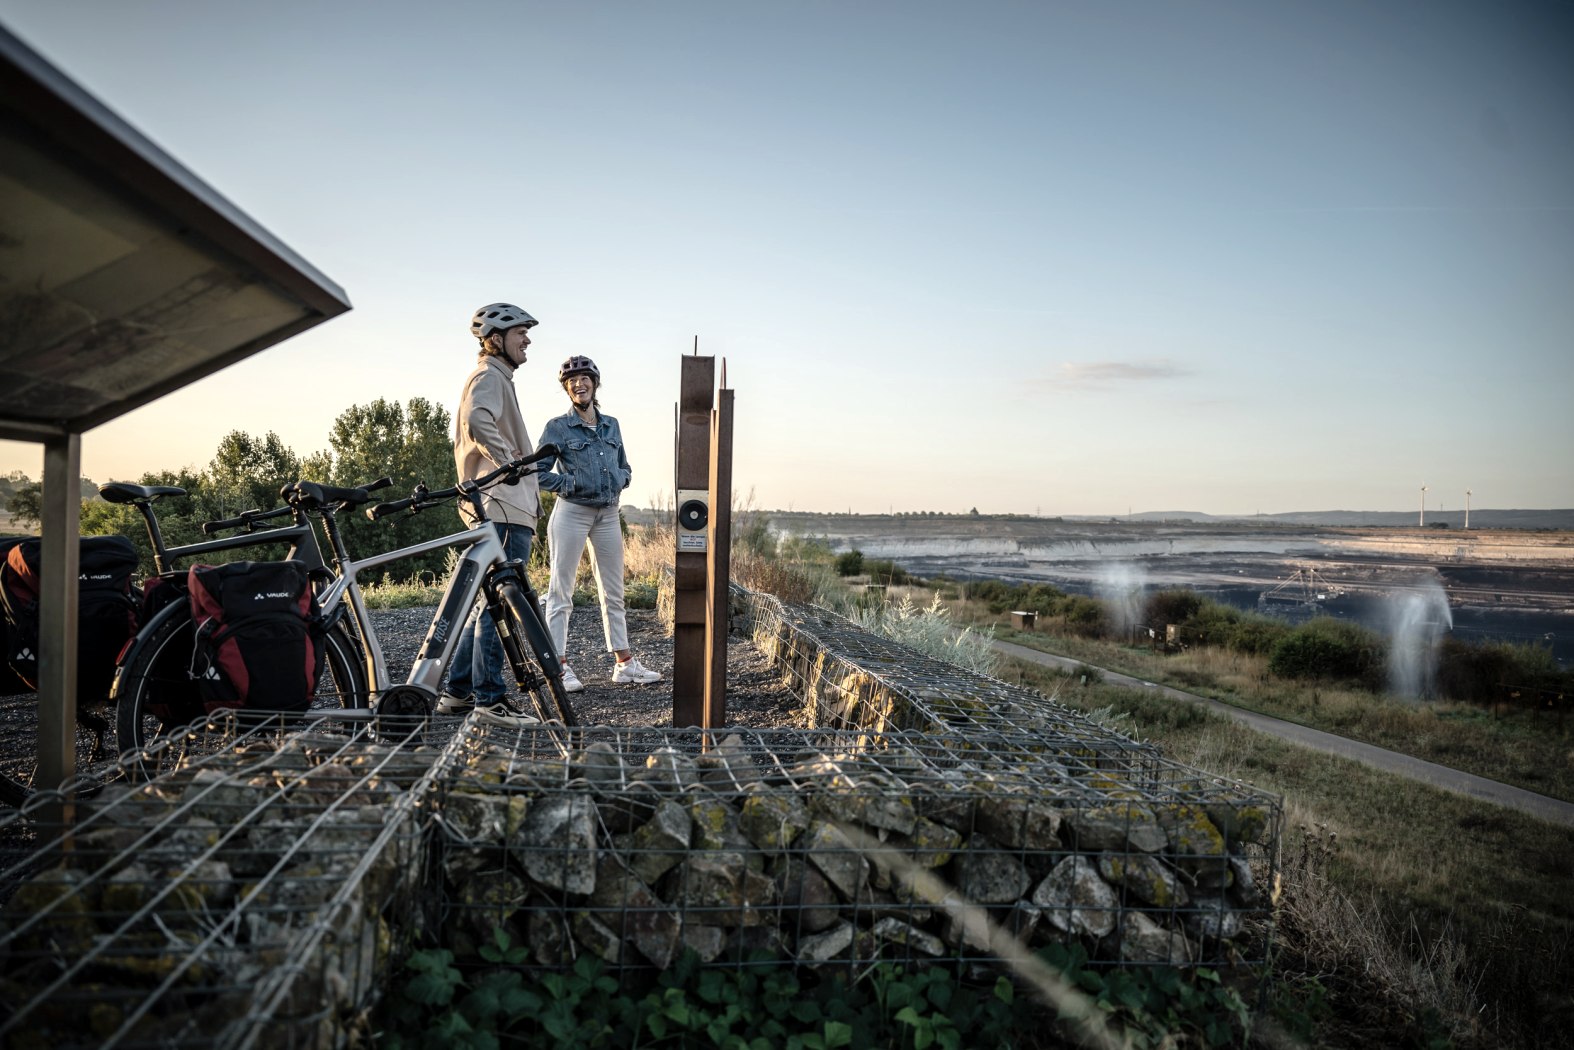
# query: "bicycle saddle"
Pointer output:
{"type": "Point", "coordinates": [126, 492]}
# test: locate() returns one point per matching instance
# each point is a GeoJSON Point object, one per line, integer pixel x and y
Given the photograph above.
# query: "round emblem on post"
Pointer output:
{"type": "Point", "coordinates": [693, 515]}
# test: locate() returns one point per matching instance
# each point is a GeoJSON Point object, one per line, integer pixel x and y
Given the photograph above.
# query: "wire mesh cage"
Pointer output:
{"type": "Point", "coordinates": [850, 679]}
{"type": "Point", "coordinates": [827, 847]}
{"type": "Point", "coordinates": [259, 890]}
{"type": "Point", "coordinates": [250, 896]}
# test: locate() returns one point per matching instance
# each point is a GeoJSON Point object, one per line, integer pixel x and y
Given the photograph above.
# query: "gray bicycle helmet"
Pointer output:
{"type": "Point", "coordinates": [579, 366]}
{"type": "Point", "coordinates": [498, 317]}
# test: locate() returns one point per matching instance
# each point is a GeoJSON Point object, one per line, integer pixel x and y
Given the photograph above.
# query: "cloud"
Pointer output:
{"type": "Point", "coordinates": [1102, 374]}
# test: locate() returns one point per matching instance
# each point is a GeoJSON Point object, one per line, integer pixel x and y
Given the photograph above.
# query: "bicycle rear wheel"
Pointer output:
{"type": "Point", "coordinates": [546, 694]}
{"type": "Point", "coordinates": [154, 695]}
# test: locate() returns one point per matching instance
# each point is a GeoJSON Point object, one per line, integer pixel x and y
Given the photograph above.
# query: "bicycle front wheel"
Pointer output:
{"type": "Point", "coordinates": [547, 695]}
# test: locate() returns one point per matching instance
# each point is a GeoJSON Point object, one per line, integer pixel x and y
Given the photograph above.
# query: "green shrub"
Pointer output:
{"type": "Point", "coordinates": [850, 564]}
{"type": "Point", "coordinates": [888, 573]}
{"type": "Point", "coordinates": [1328, 648]}
{"type": "Point", "coordinates": [1172, 606]}
{"type": "Point", "coordinates": [1479, 673]}
{"type": "Point", "coordinates": [436, 1004]}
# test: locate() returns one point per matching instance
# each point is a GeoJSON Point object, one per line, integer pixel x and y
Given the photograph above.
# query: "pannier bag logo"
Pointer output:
{"type": "Point", "coordinates": [100, 576]}
{"type": "Point", "coordinates": [263, 596]}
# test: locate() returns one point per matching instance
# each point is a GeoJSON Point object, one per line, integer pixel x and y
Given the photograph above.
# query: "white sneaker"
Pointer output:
{"type": "Point", "coordinates": [632, 672]}
{"type": "Point", "coordinates": [503, 713]}
{"type": "Point", "coordinates": [571, 682]}
{"type": "Point", "coordinates": [449, 704]}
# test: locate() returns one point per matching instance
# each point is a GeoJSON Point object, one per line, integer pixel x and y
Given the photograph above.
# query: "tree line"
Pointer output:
{"type": "Point", "coordinates": [409, 443]}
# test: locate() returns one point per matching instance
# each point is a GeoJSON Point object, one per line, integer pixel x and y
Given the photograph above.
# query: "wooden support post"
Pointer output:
{"type": "Point", "coordinates": [60, 561]}
{"type": "Point", "coordinates": [716, 618]}
{"type": "Point", "coordinates": [689, 663]}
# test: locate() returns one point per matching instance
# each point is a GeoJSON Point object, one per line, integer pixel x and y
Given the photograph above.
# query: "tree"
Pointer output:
{"type": "Point", "coordinates": [247, 472]}
{"type": "Point", "coordinates": [27, 504]}
{"type": "Point", "coordinates": [410, 444]}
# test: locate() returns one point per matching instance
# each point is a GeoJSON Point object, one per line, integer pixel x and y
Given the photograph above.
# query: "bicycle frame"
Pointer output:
{"type": "Point", "coordinates": [482, 556]}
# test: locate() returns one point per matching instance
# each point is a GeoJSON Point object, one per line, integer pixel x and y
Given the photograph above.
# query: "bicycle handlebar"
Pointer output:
{"type": "Point", "coordinates": [423, 497]}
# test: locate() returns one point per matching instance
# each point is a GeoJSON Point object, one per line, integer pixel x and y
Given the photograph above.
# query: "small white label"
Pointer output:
{"type": "Point", "coordinates": [692, 541]}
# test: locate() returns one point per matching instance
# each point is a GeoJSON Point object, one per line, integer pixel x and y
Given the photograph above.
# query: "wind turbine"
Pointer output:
{"type": "Point", "coordinates": [1467, 508]}
{"type": "Point", "coordinates": [1423, 506]}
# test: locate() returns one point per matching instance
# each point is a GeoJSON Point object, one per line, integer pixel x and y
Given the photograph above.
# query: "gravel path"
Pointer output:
{"type": "Point", "coordinates": [756, 696]}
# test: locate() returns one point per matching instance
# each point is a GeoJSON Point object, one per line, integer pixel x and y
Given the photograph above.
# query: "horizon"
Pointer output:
{"type": "Point", "coordinates": [1056, 260]}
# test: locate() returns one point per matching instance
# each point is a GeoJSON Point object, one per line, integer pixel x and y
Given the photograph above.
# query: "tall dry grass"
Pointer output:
{"type": "Point", "coordinates": [1397, 897]}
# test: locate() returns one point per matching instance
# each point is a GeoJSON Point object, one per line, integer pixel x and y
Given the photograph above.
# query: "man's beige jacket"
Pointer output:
{"type": "Point", "coordinates": [489, 431]}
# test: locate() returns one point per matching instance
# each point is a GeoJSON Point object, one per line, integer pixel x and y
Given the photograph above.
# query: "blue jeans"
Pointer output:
{"type": "Point", "coordinates": [477, 667]}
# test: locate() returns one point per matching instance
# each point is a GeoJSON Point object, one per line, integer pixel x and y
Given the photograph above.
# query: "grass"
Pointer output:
{"type": "Point", "coordinates": [1395, 892]}
{"type": "Point", "coordinates": [1527, 749]}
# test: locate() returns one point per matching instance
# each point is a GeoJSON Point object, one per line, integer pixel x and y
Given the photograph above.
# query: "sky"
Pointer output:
{"type": "Point", "coordinates": [1041, 258]}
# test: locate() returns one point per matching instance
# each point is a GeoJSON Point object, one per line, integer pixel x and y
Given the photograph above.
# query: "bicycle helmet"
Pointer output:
{"type": "Point", "coordinates": [579, 366]}
{"type": "Point", "coordinates": [498, 317]}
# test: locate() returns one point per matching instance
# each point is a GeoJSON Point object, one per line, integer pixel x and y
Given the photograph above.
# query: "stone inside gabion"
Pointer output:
{"type": "Point", "coordinates": [636, 847]}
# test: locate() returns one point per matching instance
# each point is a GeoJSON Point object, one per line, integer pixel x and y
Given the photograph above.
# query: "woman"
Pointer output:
{"type": "Point", "coordinates": [591, 470]}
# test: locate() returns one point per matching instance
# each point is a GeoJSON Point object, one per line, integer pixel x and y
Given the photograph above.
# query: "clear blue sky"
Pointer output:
{"type": "Point", "coordinates": [1057, 257]}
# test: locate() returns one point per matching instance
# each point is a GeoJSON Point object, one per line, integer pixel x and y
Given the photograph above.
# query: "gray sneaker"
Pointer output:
{"type": "Point", "coordinates": [571, 682]}
{"type": "Point", "coordinates": [503, 713]}
{"type": "Point", "coordinates": [449, 704]}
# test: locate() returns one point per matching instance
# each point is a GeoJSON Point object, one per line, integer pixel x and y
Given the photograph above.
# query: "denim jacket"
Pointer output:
{"type": "Point", "coordinates": [591, 469]}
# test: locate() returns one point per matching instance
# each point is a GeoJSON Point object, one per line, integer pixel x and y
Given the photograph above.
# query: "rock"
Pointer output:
{"type": "Point", "coordinates": [475, 818]}
{"type": "Point", "coordinates": [834, 855]}
{"type": "Point", "coordinates": [823, 947]}
{"type": "Point", "coordinates": [985, 875]}
{"type": "Point", "coordinates": [716, 826]}
{"type": "Point", "coordinates": [718, 888]}
{"type": "Point", "coordinates": [897, 932]}
{"type": "Point", "coordinates": [630, 908]}
{"type": "Point", "coordinates": [1244, 891]}
{"type": "Point", "coordinates": [600, 766]}
{"type": "Point", "coordinates": [1144, 877]}
{"type": "Point", "coordinates": [1075, 900]}
{"type": "Point", "coordinates": [1139, 939]}
{"type": "Point", "coordinates": [558, 843]}
{"type": "Point", "coordinates": [729, 765]}
{"type": "Point", "coordinates": [772, 820]}
{"type": "Point", "coordinates": [808, 901]}
{"type": "Point", "coordinates": [1213, 919]}
{"type": "Point", "coordinates": [595, 937]}
{"type": "Point", "coordinates": [1241, 823]}
{"type": "Point", "coordinates": [628, 809]}
{"type": "Point", "coordinates": [669, 771]}
{"type": "Point", "coordinates": [707, 942]}
{"type": "Point", "coordinates": [1120, 827]}
{"type": "Point", "coordinates": [1193, 839]}
{"type": "Point", "coordinates": [1019, 821]}
{"type": "Point", "coordinates": [658, 846]}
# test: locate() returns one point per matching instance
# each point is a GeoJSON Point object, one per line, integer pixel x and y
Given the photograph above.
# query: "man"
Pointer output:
{"type": "Point", "coordinates": [489, 431]}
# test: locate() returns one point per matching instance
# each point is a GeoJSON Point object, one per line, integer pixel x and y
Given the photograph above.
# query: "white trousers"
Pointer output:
{"type": "Point", "coordinates": [567, 530]}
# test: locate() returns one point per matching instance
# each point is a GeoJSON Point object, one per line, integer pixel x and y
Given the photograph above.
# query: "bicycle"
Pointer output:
{"type": "Point", "coordinates": [482, 570]}
{"type": "Point", "coordinates": [400, 710]}
{"type": "Point", "coordinates": [153, 674]}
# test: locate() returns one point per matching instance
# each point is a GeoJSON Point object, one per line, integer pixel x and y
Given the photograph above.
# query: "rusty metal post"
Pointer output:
{"type": "Point", "coordinates": [689, 663]}
{"type": "Point", "coordinates": [716, 618]}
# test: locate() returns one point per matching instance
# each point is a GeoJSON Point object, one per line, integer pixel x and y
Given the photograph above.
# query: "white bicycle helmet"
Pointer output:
{"type": "Point", "coordinates": [498, 317]}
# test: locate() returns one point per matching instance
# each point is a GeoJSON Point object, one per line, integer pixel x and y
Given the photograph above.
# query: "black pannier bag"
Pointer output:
{"type": "Point", "coordinates": [259, 635]}
{"type": "Point", "coordinates": [11, 683]}
{"type": "Point", "coordinates": [106, 613]}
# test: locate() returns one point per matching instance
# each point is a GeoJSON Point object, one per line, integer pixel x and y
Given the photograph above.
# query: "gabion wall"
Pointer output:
{"type": "Point", "coordinates": [247, 898]}
{"type": "Point", "coordinates": [851, 679]}
{"type": "Point", "coordinates": [839, 847]}
{"type": "Point", "coordinates": [257, 894]}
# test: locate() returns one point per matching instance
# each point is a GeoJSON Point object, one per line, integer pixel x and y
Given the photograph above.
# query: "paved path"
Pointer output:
{"type": "Point", "coordinates": [1552, 810]}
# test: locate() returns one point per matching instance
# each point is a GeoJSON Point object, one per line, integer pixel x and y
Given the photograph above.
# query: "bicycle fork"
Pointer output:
{"type": "Point", "coordinates": [531, 623]}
